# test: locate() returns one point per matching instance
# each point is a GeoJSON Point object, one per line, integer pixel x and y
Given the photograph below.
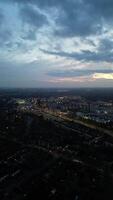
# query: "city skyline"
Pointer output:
{"type": "Point", "coordinates": [56, 43]}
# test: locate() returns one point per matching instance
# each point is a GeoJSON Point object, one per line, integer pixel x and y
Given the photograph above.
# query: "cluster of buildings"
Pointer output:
{"type": "Point", "coordinates": [74, 106]}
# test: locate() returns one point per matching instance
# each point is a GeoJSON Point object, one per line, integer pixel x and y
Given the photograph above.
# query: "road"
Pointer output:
{"type": "Point", "coordinates": [60, 118]}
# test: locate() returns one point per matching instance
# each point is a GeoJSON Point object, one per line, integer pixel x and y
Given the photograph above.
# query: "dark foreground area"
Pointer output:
{"type": "Point", "coordinates": [43, 158]}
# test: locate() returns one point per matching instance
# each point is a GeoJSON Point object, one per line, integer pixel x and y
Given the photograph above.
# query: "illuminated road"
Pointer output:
{"type": "Point", "coordinates": [60, 119]}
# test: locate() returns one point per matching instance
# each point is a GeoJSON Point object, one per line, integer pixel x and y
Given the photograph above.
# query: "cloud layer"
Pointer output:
{"type": "Point", "coordinates": [63, 39]}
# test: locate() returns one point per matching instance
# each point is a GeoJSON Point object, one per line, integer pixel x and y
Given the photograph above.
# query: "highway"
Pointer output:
{"type": "Point", "coordinates": [61, 119]}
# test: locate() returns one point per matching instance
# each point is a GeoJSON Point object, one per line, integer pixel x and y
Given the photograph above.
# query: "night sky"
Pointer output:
{"type": "Point", "coordinates": [56, 43]}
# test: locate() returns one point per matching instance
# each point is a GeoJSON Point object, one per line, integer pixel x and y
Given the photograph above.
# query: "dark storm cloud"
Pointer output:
{"type": "Point", "coordinates": [83, 18]}
{"type": "Point", "coordinates": [30, 35]}
{"type": "Point", "coordinates": [1, 17]}
{"type": "Point", "coordinates": [77, 73]}
{"type": "Point", "coordinates": [5, 34]}
{"type": "Point", "coordinates": [75, 17]}
{"type": "Point", "coordinates": [103, 8]}
{"type": "Point", "coordinates": [31, 16]}
{"type": "Point", "coordinates": [106, 45]}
